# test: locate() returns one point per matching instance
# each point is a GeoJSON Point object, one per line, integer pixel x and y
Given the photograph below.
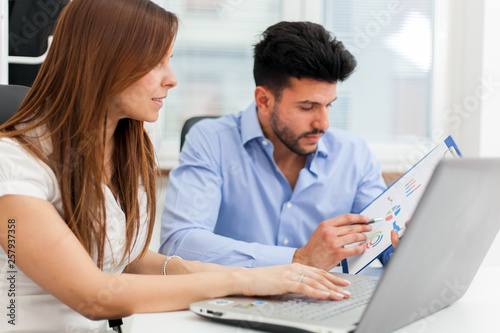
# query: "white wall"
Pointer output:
{"type": "Point", "coordinates": [468, 89]}
{"type": "Point", "coordinates": [467, 80]}
{"type": "Point", "coordinates": [489, 122]}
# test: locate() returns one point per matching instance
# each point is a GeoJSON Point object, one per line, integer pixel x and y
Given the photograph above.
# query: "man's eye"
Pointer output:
{"type": "Point", "coordinates": [307, 108]}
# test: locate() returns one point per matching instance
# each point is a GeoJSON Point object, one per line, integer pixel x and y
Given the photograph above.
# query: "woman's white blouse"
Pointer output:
{"type": "Point", "coordinates": [35, 309]}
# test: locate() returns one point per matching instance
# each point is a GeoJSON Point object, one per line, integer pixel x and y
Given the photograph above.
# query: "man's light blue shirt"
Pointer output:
{"type": "Point", "coordinates": [229, 203]}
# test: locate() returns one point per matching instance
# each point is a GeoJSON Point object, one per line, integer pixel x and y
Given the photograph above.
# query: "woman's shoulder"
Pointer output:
{"type": "Point", "coordinates": [12, 149]}
{"type": "Point", "coordinates": [22, 173]}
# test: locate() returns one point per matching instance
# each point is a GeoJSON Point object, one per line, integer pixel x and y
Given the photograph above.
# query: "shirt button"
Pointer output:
{"type": "Point", "coordinates": [264, 142]}
{"type": "Point", "coordinates": [286, 241]}
{"type": "Point", "coordinates": [121, 242]}
{"type": "Point", "coordinates": [288, 204]}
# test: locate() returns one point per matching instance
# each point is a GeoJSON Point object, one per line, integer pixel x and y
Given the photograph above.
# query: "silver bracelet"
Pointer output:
{"type": "Point", "coordinates": [164, 266]}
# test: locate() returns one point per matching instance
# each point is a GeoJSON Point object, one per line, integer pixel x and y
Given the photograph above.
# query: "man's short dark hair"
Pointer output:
{"type": "Point", "coordinates": [300, 50]}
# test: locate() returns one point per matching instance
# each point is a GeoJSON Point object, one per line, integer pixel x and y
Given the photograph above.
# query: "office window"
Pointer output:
{"type": "Point", "coordinates": [213, 58]}
{"type": "Point", "coordinates": [386, 101]}
{"type": "Point", "coordinates": [388, 97]}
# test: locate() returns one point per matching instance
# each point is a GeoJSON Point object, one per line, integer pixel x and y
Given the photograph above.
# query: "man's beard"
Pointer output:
{"type": "Point", "coordinates": [286, 136]}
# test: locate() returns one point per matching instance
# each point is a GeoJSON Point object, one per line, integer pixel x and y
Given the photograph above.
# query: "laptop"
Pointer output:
{"type": "Point", "coordinates": [448, 237]}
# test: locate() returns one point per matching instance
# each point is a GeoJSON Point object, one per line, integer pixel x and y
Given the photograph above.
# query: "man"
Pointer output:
{"type": "Point", "coordinates": [275, 184]}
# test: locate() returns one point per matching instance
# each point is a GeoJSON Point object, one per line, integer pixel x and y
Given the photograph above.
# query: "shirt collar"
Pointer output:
{"type": "Point", "coordinates": [250, 125]}
{"type": "Point", "coordinates": [251, 129]}
{"type": "Point", "coordinates": [321, 151]}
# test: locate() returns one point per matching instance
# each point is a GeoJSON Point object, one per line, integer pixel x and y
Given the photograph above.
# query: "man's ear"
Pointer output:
{"type": "Point", "coordinates": [264, 100]}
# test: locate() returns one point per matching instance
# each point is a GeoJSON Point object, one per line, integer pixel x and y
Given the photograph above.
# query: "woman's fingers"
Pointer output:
{"type": "Point", "coordinates": [318, 289]}
{"type": "Point", "coordinates": [294, 278]}
{"type": "Point", "coordinates": [319, 283]}
{"type": "Point", "coordinates": [314, 292]}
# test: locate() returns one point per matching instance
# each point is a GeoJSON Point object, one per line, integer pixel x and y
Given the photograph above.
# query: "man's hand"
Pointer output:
{"type": "Point", "coordinates": [325, 248]}
{"type": "Point", "coordinates": [395, 236]}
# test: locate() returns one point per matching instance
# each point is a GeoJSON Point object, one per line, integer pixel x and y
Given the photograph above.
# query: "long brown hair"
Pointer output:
{"type": "Point", "coordinates": [100, 47]}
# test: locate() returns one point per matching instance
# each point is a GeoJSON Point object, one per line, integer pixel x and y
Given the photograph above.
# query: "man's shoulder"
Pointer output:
{"type": "Point", "coordinates": [212, 139]}
{"type": "Point", "coordinates": [215, 132]}
{"type": "Point", "coordinates": [218, 125]}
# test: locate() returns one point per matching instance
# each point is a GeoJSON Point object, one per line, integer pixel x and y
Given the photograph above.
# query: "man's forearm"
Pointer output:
{"type": "Point", "coordinates": [205, 246]}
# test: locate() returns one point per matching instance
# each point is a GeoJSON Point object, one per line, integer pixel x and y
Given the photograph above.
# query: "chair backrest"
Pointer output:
{"type": "Point", "coordinates": [189, 123]}
{"type": "Point", "coordinates": [11, 97]}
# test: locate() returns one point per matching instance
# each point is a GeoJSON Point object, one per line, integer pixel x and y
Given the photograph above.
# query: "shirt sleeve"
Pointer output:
{"type": "Point", "coordinates": [191, 210]}
{"type": "Point", "coordinates": [385, 256]}
{"type": "Point", "coordinates": [22, 174]}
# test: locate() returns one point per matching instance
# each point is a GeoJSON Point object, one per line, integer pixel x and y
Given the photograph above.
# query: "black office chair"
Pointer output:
{"type": "Point", "coordinates": [11, 97]}
{"type": "Point", "coordinates": [189, 123]}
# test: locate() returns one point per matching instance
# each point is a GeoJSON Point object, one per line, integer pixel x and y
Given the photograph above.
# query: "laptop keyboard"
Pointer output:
{"type": "Point", "coordinates": [319, 309]}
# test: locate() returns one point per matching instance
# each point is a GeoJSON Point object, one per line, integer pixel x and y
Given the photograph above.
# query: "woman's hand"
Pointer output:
{"type": "Point", "coordinates": [294, 278]}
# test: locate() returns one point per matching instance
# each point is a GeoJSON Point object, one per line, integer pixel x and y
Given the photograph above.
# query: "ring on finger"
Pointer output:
{"type": "Point", "coordinates": [300, 278]}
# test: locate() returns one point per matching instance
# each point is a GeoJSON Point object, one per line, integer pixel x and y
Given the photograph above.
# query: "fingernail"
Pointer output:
{"type": "Point", "coordinates": [340, 295]}
{"type": "Point", "coordinates": [325, 293]}
{"type": "Point", "coordinates": [348, 293]}
{"type": "Point", "coordinates": [347, 281]}
{"type": "Point", "coordinates": [366, 218]}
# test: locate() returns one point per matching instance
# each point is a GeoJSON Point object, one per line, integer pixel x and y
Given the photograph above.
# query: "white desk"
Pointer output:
{"type": "Point", "coordinates": [477, 311]}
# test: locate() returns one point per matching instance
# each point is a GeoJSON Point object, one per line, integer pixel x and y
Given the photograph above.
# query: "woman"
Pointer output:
{"type": "Point", "coordinates": [77, 183]}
